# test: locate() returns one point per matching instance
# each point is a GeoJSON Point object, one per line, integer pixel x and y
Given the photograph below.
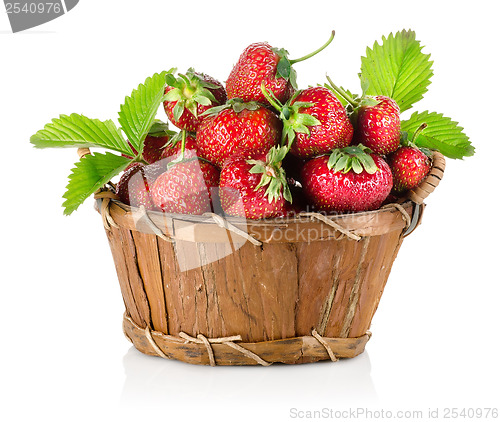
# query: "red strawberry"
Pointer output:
{"type": "Point", "coordinates": [158, 136]}
{"type": "Point", "coordinates": [186, 188]}
{"type": "Point", "coordinates": [190, 95]}
{"type": "Point", "coordinates": [173, 148]}
{"type": "Point", "coordinates": [379, 126]}
{"type": "Point", "coordinates": [350, 179]}
{"type": "Point", "coordinates": [314, 122]}
{"type": "Point", "coordinates": [255, 188]}
{"type": "Point", "coordinates": [237, 128]}
{"type": "Point", "coordinates": [409, 167]}
{"type": "Point", "coordinates": [134, 187]}
{"type": "Point", "coordinates": [260, 63]}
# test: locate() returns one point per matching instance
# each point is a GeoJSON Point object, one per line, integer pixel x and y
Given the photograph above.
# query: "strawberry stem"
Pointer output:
{"type": "Point", "coordinates": [273, 101]}
{"type": "Point", "coordinates": [183, 144]}
{"type": "Point", "coordinates": [342, 93]}
{"type": "Point", "coordinates": [418, 132]}
{"type": "Point", "coordinates": [316, 51]}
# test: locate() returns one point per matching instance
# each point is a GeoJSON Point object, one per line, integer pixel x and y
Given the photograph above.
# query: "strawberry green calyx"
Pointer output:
{"type": "Point", "coordinates": [160, 129]}
{"type": "Point", "coordinates": [189, 90]}
{"type": "Point", "coordinates": [355, 158]}
{"type": "Point", "coordinates": [284, 68]}
{"type": "Point", "coordinates": [412, 142]}
{"type": "Point", "coordinates": [273, 174]}
{"type": "Point", "coordinates": [293, 120]}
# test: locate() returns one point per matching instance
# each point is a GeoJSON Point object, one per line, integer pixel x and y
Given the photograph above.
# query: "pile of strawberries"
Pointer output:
{"type": "Point", "coordinates": [258, 147]}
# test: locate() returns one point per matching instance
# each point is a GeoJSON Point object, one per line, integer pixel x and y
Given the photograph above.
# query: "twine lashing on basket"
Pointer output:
{"type": "Point", "coordinates": [223, 223]}
{"type": "Point", "coordinates": [403, 212]}
{"type": "Point", "coordinates": [333, 224]}
{"type": "Point", "coordinates": [230, 341]}
{"type": "Point", "coordinates": [143, 213]}
{"type": "Point", "coordinates": [106, 196]}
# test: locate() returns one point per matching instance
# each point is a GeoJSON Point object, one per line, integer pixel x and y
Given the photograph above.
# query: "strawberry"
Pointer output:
{"type": "Point", "coordinates": [314, 122]}
{"type": "Point", "coordinates": [186, 187]}
{"type": "Point", "coordinates": [262, 64]}
{"type": "Point", "coordinates": [255, 188]}
{"type": "Point", "coordinates": [189, 96]}
{"type": "Point", "coordinates": [409, 167]}
{"type": "Point", "coordinates": [173, 149]}
{"type": "Point", "coordinates": [237, 128]}
{"type": "Point", "coordinates": [350, 179]}
{"type": "Point", "coordinates": [158, 136]}
{"type": "Point", "coordinates": [409, 164]}
{"type": "Point", "coordinates": [379, 126]}
{"type": "Point", "coordinates": [133, 187]}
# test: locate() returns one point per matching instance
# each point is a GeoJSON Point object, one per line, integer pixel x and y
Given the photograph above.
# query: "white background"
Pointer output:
{"type": "Point", "coordinates": [63, 355]}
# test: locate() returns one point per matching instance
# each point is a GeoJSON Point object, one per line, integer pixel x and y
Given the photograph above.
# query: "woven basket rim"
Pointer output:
{"type": "Point", "coordinates": [352, 224]}
{"type": "Point", "coordinates": [277, 221]}
{"type": "Point", "coordinates": [416, 195]}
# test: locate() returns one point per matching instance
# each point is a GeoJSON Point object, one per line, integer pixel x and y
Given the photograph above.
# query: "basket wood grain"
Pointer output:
{"type": "Point", "coordinates": [272, 296]}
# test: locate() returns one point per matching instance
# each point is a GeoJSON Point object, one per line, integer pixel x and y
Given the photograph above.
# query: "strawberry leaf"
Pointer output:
{"type": "Point", "coordinates": [397, 69]}
{"type": "Point", "coordinates": [441, 134]}
{"type": "Point", "coordinates": [79, 131]}
{"type": "Point", "coordinates": [139, 109]}
{"type": "Point", "coordinates": [91, 173]}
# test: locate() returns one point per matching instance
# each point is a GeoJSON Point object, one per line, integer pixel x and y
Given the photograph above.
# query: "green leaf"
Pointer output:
{"type": "Point", "coordinates": [139, 109]}
{"type": "Point", "coordinates": [91, 173]}
{"type": "Point", "coordinates": [79, 131]}
{"type": "Point", "coordinates": [442, 134]}
{"type": "Point", "coordinates": [397, 69]}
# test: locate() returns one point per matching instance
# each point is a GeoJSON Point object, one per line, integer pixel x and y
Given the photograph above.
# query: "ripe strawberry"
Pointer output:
{"type": "Point", "coordinates": [158, 136]}
{"type": "Point", "coordinates": [237, 128]}
{"type": "Point", "coordinates": [173, 149]}
{"type": "Point", "coordinates": [379, 126]}
{"type": "Point", "coordinates": [186, 188]}
{"type": "Point", "coordinates": [350, 179]}
{"type": "Point", "coordinates": [314, 122]}
{"type": "Point", "coordinates": [190, 95]}
{"type": "Point", "coordinates": [255, 188]}
{"type": "Point", "coordinates": [134, 187]}
{"type": "Point", "coordinates": [260, 63]}
{"type": "Point", "coordinates": [409, 167]}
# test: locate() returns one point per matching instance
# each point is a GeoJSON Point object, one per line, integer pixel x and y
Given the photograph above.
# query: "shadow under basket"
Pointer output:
{"type": "Point", "coordinates": [225, 291]}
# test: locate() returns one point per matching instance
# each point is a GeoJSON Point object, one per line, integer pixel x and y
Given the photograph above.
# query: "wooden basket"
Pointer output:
{"type": "Point", "coordinates": [208, 290]}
